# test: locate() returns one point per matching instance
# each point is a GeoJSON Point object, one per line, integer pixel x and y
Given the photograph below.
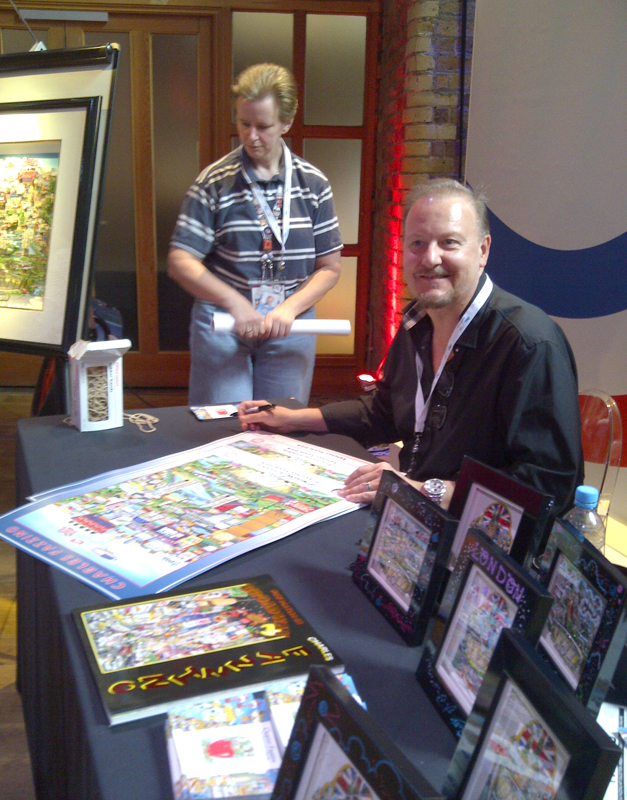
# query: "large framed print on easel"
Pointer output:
{"type": "Point", "coordinates": [54, 121]}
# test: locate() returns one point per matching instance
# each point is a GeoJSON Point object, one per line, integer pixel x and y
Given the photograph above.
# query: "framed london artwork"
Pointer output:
{"type": "Point", "coordinates": [52, 145]}
{"type": "Point", "coordinates": [336, 750]}
{"type": "Point", "coordinates": [406, 561]}
{"type": "Point", "coordinates": [487, 592]}
{"type": "Point", "coordinates": [525, 737]}
{"type": "Point", "coordinates": [509, 512]}
{"type": "Point", "coordinates": [584, 635]}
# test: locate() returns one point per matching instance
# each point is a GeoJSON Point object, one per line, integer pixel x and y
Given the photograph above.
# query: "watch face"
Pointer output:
{"type": "Point", "coordinates": [435, 488]}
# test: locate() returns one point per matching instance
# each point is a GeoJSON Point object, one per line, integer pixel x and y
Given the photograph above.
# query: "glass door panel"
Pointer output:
{"type": "Point", "coordinates": [335, 60]}
{"type": "Point", "coordinates": [340, 160]}
{"type": "Point", "coordinates": [339, 303]}
{"type": "Point", "coordinates": [262, 36]}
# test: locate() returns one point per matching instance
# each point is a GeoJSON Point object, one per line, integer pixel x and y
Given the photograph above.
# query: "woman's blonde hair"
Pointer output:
{"type": "Point", "coordinates": [263, 80]}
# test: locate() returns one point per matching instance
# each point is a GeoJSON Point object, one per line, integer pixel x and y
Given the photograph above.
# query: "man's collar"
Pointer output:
{"type": "Point", "coordinates": [413, 313]}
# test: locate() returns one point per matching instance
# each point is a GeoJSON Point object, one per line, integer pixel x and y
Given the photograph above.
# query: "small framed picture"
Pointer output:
{"type": "Point", "coordinates": [585, 632]}
{"type": "Point", "coordinates": [512, 514]}
{"type": "Point", "coordinates": [406, 561]}
{"type": "Point", "coordinates": [527, 737]}
{"type": "Point", "coordinates": [337, 751]}
{"type": "Point", "coordinates": [487, 592]}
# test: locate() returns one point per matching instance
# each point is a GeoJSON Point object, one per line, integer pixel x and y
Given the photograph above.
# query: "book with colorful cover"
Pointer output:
{"type": "Point", "coordinates": [223, 748]}
{"type": "Point", "coordinates": [152, 653]}
{"type": "Point", "coordinates": [147, 528]}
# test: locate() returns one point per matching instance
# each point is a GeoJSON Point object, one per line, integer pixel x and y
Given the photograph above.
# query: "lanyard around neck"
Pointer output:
{"type": "Point", "coordinates": [422, 405]}
{"type": "Point", "coordinates": [281, 232]}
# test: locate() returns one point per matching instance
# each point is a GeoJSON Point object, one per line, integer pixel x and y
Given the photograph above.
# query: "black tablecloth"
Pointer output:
{"type": "Point", "coordinates": [75, 754]}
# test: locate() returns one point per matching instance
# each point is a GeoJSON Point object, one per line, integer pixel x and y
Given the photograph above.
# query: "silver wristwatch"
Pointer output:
{"type": "Point", "coordinates": [435, 489]}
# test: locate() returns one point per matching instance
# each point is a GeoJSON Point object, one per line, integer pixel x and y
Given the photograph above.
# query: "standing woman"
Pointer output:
{"type": "Point", "coordinates": [259, 223]}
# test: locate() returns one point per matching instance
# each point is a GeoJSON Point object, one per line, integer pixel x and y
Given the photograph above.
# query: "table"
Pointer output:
{"type": "Point", "coordinates": [75, 754]}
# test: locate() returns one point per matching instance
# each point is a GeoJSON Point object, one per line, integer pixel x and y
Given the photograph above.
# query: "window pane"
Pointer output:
{"type": "Point", "coordinates": [339, 303]}
{"type": "Point", "coordinates": [114, 256]}
{"type": "Point", "coordinates": [340, 160]}
{"type": "Point", "coordinates": [260, 37]}
{"type": "Point", "coordinates": [175, 131]}
{"type": "Point", "coordinates": [334, 69]}
{"type": "Point", "coordinates": [20, 41]}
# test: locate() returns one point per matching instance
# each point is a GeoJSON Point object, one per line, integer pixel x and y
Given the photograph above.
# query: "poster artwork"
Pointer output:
{"type": "Point", "coordinates": [28, 179]}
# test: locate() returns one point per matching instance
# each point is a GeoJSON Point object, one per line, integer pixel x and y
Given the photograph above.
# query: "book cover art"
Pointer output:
{"type": "Point", "coordinates": [150, 527]}
{"type": "Point", "coordinates": [151, 653]}
{"type": "Point", "coordinates": [222, 748]}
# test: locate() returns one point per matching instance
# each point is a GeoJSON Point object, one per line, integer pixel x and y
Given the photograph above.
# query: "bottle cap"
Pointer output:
{"type": "Point", "coordinates": [586, 496]}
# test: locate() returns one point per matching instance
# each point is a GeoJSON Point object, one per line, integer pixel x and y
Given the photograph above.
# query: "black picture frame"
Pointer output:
{"type": "Point", "coordinates": [583, 641]}
{"type": "Point", "coordinates": [487, 591]}
{"type": "Point", "coordinates": [529, 733]}
{"type": "Point", "coordinates": [516, 515]}
{"type": "Point", "coordinates": [54, 125]}
{"type": "Point", "coordinates": [331, 729]}
{"type": "Point", "coordinates": [406, 561]}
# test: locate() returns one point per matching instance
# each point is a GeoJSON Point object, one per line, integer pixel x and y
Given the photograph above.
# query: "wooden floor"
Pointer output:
{"type": "Point", "coordinates": [15, 775]}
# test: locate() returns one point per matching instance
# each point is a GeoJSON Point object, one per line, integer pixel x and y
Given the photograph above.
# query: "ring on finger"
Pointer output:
{"type": "Point", "coordinates": [368, 489]}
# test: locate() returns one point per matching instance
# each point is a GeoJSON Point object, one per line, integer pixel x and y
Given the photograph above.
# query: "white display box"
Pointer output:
{"type": "Point", "coordinates": [96, 389]}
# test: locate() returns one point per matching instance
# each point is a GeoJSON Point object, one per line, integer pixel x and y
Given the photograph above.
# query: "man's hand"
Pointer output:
{"type": "Point", "coordinates": [280, 419]}
{"type": "Point", "coordinates": [362, 484]}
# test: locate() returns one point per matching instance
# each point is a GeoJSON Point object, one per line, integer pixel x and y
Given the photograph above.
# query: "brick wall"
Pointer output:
{"type": "Point", "coordinates": [417, 137]}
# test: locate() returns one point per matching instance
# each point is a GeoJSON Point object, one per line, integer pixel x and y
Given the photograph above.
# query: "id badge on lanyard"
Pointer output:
{"type": "Point", "coordinates": [270, 292]}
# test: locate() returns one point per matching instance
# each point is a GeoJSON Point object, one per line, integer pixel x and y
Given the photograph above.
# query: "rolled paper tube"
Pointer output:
{"type": "Point", "coordinates": [223, 323]}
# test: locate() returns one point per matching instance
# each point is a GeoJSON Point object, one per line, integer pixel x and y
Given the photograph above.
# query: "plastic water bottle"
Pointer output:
{"type": "Point", "coordinates": [584, 518]}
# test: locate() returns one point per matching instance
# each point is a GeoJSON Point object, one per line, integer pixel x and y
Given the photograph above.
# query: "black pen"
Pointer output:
{"type": "Point", "coordinates": [255, 409]}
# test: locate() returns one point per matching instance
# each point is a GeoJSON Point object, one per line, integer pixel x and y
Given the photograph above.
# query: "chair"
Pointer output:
{"type": "Point", "coordinates": [602, 439]}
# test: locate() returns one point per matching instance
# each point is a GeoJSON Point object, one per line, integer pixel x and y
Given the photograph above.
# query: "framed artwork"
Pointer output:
{"type": "Point", "coordinates": [509, 512]}
{"type": "Point", "coordinates": [406, 562]}
{"type": "Point", "coordinates": [527, 737]}
{"type": "Point", "coordinates": [586, 629]}
{"type": "Point", "coordinates": [487, 593]}
{"type": "Point", "coordinates": [337, 751]}
{"type": "Point", "coordinates": [53, 124]}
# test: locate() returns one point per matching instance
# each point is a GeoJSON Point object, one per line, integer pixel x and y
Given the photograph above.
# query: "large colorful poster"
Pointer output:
{"type": "Point", "coordinates": [150, 527]}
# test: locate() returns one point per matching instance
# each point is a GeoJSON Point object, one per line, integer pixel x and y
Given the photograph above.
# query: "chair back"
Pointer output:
{"type": "Point", "coordinates": [602, 440]}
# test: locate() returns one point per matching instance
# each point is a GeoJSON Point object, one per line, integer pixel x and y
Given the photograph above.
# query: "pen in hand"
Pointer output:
{"type": "Point", "coordinates": [255, 409]}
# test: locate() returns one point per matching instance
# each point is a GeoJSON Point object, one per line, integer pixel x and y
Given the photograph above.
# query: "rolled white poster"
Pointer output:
{"type": "Point", "coordinates": [223, 323]}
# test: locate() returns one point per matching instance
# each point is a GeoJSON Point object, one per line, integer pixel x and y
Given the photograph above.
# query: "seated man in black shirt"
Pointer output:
{"type": "Point", "coordinates": [472, 370]}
